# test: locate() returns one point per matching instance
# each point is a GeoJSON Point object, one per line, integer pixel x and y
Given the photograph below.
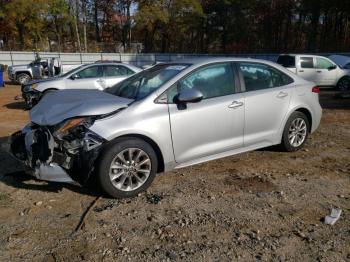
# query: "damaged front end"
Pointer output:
{"type": "Point", "coordinates": [62, 153]}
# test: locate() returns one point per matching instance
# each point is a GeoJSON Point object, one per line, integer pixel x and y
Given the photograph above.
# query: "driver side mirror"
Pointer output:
{"type": "Point", "coordinates": [332, 67]}
{"type": "Point", "coordinates": [74, 76]}
{"type": "Point", "coordinates": [189, 96]}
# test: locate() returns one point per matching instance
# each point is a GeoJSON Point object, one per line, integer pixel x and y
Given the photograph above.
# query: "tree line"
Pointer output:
{"type": "Point", "coordinates": [186, 26]}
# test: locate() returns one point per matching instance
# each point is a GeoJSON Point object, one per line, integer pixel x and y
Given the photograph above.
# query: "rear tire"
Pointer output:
{"type": "Point", "coordinates": [344, 84]}
{"type": "Point", "coordinates": [127, 167]}
{"type": "Point", "coordinates": [295, 132]}
{"type": "Point", "coordinates": [23, 78]}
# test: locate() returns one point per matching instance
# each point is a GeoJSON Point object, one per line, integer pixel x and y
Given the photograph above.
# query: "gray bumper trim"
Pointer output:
{"type": "Point", "coordinates": [52, 172]}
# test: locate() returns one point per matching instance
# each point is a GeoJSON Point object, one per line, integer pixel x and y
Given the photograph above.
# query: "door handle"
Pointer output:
{"type": "Point", "coordinates": [100, 81]}
{"type": "Point", "coordinates": [236, 104]}
{"type": "Point", "coordinates": [301, 71]}
{"type": "Point", "coordinates": [318, 71]}
{"type": "Point", "coordinates": [282, 94]}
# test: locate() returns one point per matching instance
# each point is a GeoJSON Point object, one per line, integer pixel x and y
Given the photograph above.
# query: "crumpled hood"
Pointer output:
{"type": "Point", "coordinates": [57, 106]}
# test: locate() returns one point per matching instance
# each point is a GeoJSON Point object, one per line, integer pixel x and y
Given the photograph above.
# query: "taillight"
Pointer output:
{"type": "Point", "coordinates": [316, 89]}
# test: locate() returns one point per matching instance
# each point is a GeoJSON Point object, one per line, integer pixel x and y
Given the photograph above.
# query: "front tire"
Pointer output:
{"type": "Point", "coordinates": [295, 132]}
{"type": "Point", "coordinates": [127, 167]}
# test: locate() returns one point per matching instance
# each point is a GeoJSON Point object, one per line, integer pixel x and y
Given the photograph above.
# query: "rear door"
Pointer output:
{"type": "Point", "coordinates": [87, 78]}
{"type": "Point", "coordinates": [306, 69]}
{"type": "Point", "coordinates": [326, 72]}
{"type": "Point", "coordinates": [215, 124]}
{"type": "Point", "coordinates": [113, 74]}
{"type": "Point", "coordinates": [267, 94]}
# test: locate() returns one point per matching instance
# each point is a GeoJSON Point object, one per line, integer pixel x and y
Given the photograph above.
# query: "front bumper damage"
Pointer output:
{"type": "Point", "coordinates": [52, 159]}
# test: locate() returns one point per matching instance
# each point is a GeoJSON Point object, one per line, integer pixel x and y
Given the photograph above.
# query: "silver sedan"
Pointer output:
{"type": "Point", "coordinates": [89, 76]}
{"type": "Point", "coordinates": [170, 116]}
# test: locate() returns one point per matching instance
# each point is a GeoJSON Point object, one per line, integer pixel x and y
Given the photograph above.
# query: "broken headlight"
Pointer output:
{"type": "Point", "coordinates": [75, 127]}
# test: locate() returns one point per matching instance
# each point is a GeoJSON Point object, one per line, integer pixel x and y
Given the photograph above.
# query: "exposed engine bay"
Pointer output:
{"type": "Point", "coordinates": [61, 153]}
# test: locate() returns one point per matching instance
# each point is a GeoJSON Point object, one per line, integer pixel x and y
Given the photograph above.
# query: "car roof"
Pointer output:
{"type": "Point", "coordinates": [305, 55]}
{"type": "Point", "coordinates": [206, 60]}
{"type": "Point", "coordinates": [112, 63]}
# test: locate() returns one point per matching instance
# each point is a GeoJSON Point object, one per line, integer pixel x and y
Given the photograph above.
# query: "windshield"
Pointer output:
{"type": "Point", "coordinates": [144, 83]}
{"type": "Point", "coordinates": [72, 71]}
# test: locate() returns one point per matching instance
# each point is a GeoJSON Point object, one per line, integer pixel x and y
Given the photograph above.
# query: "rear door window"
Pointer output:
{"type": "Point", "coordinates": [90, 72]}
{"type": "Point", "coordinates": [260, 76]}
{"type": "Point", "coordinates": [306, 62]}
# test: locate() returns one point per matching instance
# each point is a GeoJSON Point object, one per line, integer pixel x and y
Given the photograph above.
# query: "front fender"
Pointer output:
{"type": "Point", "coordinates": [153, 125]}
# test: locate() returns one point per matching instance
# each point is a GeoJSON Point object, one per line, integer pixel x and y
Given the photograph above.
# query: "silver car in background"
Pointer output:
{"type": "Point", "coordinates": [89, 76]}
{"type": "Point", "coordinates": [170, 116]}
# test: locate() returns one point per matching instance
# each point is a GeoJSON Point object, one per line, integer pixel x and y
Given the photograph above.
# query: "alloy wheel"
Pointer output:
{"type": "Point", "coordinates": [130, 169]}
{"type": "Point", "coordinates": [297, 132]}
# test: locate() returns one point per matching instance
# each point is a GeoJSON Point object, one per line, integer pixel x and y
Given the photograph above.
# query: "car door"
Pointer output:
{"type": "Point", "coordinates": [326, 72]}
{"type": "Point", "coordinates": [113, 74]}
{"type": "Point", "coordinates": [215, 124]}
{"type": "Point", "coordinates": [306, 69]}
{"type": "Point", "coordinates": [87, 78]}
{"type": "Point", "coordinates": [267, 94]}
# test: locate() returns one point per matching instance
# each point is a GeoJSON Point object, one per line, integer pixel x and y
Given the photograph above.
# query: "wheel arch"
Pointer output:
{"type": "Point", "coordinates": [23, 72]}
{"type": "Point", "coordinates": [303, 109]}
{"type": "Point", "coordinates": [152, 143]}
{"type": "Point", "coordinates": [307, 113]}
{"type": "Point", "coordinates": [50, 89]}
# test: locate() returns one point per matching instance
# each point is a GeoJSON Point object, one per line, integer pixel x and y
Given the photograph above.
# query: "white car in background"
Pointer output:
{"type": "Point", "coordinates": [318, 69]}
{"type": "Point", "coordinates": [89, 76]}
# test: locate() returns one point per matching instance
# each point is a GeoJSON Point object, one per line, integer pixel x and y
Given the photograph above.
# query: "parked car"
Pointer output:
{"type": "Point", "coordinates": [318, 69]}
{"type": "Point", "coordinates": [90, 76]}
{"type": "Point", "coordinates": [169, 116]}
{"type": "Point", "coordinates": [40, 68]}
{"type": "Point", "coordinates": [341, 60]}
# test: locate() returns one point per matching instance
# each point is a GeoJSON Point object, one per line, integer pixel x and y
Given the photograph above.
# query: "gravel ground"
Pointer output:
{"type": "Point", "coordinates": [259, 206]}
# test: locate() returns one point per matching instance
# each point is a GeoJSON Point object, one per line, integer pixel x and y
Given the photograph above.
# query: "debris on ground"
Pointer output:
{"type": "Point", "coordinates": [153, 198]}
{"type": "Point", "coordinates": [108, 205]}
{"type": "Point", "coordinates": [333, 217]}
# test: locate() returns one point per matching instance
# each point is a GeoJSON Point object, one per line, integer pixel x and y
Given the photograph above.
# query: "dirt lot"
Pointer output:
{"type": "Point", "coordinates": [264, 205]}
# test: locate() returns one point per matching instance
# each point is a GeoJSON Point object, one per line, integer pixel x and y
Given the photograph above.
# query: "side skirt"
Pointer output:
{"type": "Point", "coordinates": [224, 154]}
